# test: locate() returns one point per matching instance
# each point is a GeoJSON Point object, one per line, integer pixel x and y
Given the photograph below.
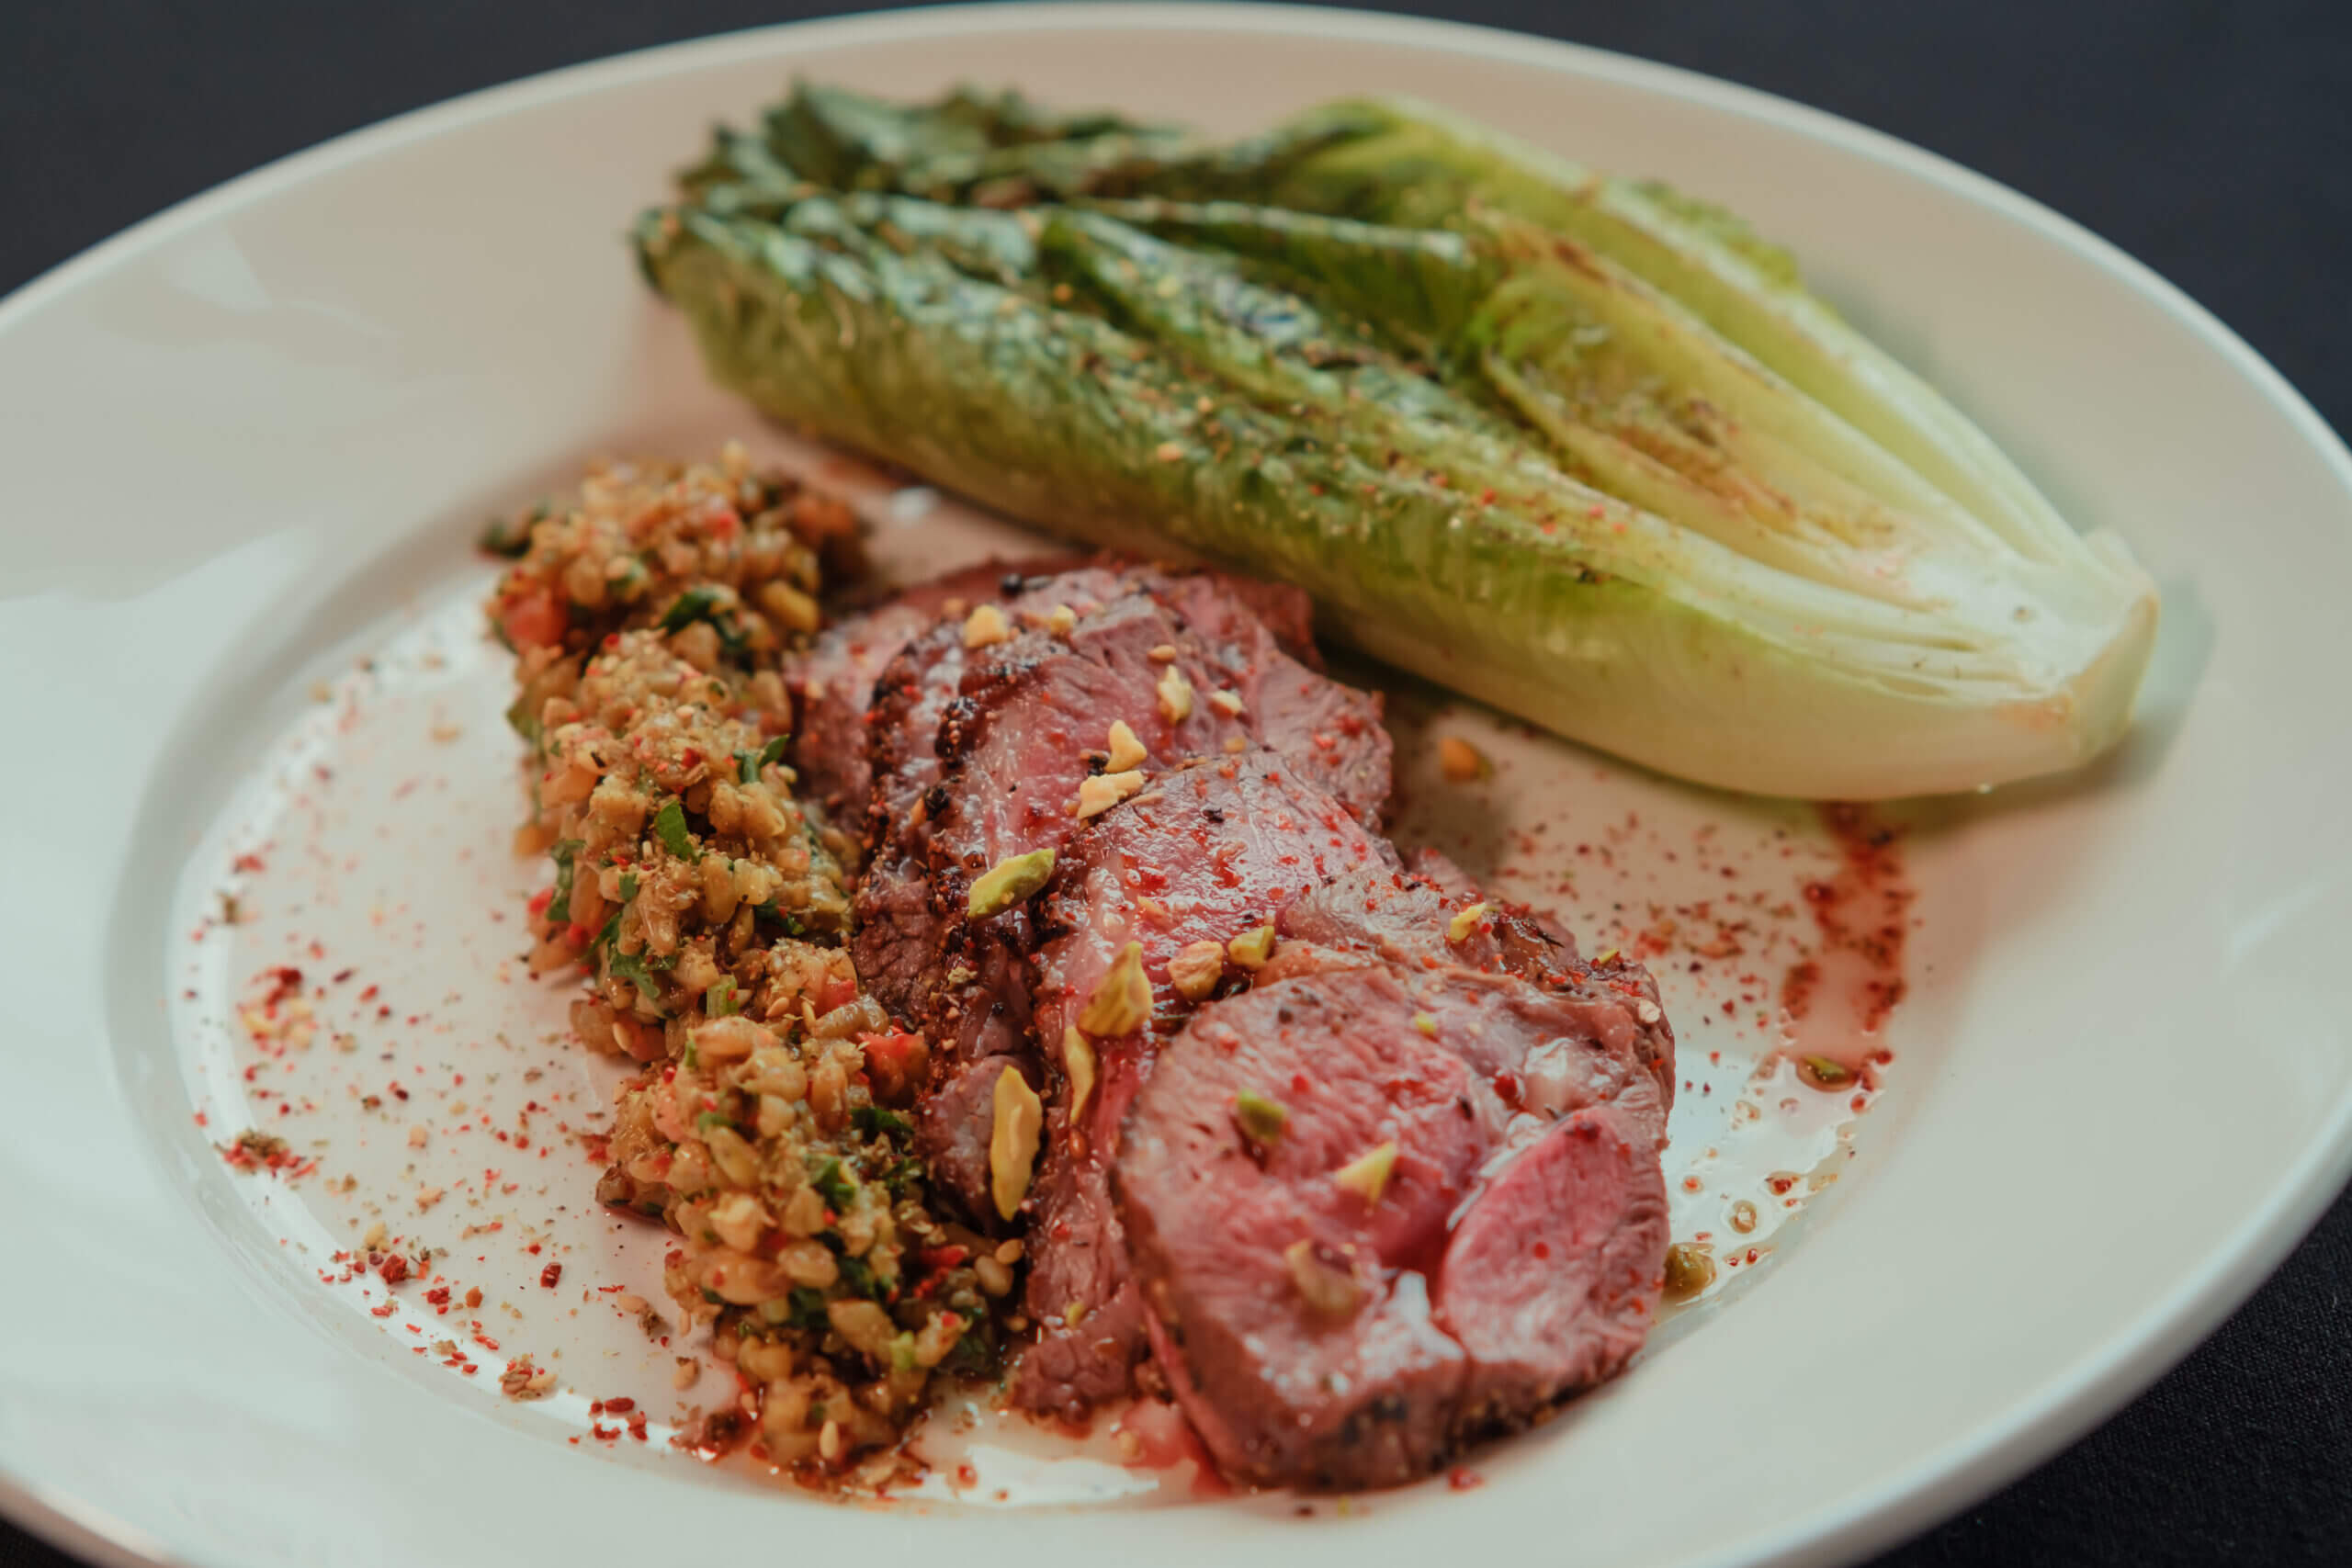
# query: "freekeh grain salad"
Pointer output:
{"type": "Point", "coordinates": [706, 906]}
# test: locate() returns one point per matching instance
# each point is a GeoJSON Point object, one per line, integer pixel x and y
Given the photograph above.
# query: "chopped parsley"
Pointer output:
{"type": "Point", "coordinates": [902, 1176]}
{"type": "Point", "coordinates": [872, 1120]}
{"type": "Point", "coordinates": [523, 717]}
{"type": "Point", "coordinates": [865, 1280]}
{"type": "Point", "coordinates": [696, 603]}
{"type": "Point", "coordinates": [749, 763]}
{"type": "Point", "coordinates": [971, 1355]}
{"type": "Point", "coordinates": [836, 1187]}
{"type": "Point", "coordinates": [669, 827]}
{"type": "Point", "coordinates": [634, 968]}
{"type": "Point", "coordinates": [510, 537]}
{"type": "Point", "coordinates": [564, 855]}
{"type": "Point", "coordinates": [702, 602]}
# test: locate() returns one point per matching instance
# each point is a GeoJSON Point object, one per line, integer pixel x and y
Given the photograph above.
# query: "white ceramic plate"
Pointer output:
{"type": "Point", "coordinates": [242, 448]}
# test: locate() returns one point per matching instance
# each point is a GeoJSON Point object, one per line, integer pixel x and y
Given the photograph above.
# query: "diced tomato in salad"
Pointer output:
{"type": "Point", "coordinates": [534, 617]}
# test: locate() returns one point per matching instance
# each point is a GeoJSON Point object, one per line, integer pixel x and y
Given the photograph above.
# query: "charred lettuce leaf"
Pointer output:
{"type": "Point", "coordinates": [1580, 447]}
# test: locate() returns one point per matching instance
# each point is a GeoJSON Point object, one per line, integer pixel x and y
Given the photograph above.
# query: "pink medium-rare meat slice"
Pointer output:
{"type": "Point", "coordinates": [1206, 853]}
{"type": "Point", "coordinates": [1551, 1279]}
{"type": "Point", "coordinates": [897, 942]}
{"type": "Point", "coordinates": [897, 926]}
{"type": "Point", "coordinates": [955, 1119]}
{"type": "Point", "coordinates": [923, 687]}
{"type": "Point", "coordinates": [914, 690]}
{"type": "Point", "coordinates": [1289, 1325]}
{"type": "Point", "coordinates": [1435, 865]}
{"type": "Point", "coordinates": [1305, 1182]}
{"type": "Point", "coordinates": [1410, 921]}
{"type": "Point", "coordinates": [937, 704]}
{"type": "Point", "coordinates": [1332, 732]}
{"type": "Point", "coordinates": [894, 929]}
{"type": "Point", "coordinates": [831, 681]}
{"type": "Point", "coordinates": [1391, 1343]}
{"type": "Point", "coordinates": [1031, 721]}
{"type": "Point", "coordinates": [934, 707]}
{"type": "Point", "coordinates": [1034, 716]}
{"type": "Point", "coordinates": [1283, 608]}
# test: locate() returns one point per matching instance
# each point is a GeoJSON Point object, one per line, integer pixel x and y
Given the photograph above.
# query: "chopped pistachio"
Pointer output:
{"type": "Point", "coordinates": [1366, 1175]}
{"type": "Point", "coordinates": [984, 626]}
{"type": "Point", "coordinates": [1459, 928]}
{"type": "Point", "coordinates": [1013, 1141]}
{"type": "Point", "coordinates": [1261, 1120]}
{"type": "Point", "coordinates": [1127, 752]}
{"type": "Point", "coordinates": [1103, 790]}
{"type": "Point", "coordinates": [1822, 1072]}
{"type": "Point", "coordinates": [1427, 1024]}
{"type": "Point", "coordinates": [1121, 1002]}
{"type": "Point", "coordinates": [1009, 882]}
{"type": "Point", "coordinates": [1175, 695]}
{"type": "Point", "coordinates": [1196, 968]}
{"type": "Point", "coordinates": [1252, 947]}
{"type": "Point", "coordinates": [1689, 1270]}
{"type": "Point", "coordinates": [1078, 1064]}
{"type": "Point", "coordinates": [1327, 1289]}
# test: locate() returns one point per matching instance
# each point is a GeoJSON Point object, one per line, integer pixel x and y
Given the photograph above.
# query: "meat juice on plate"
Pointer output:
{"type": "Point", "coordinates": [411, 1123]}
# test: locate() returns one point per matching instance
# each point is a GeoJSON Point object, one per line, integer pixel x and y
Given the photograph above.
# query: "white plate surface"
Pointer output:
{"type": "Point", "coordinates": [242, 448]}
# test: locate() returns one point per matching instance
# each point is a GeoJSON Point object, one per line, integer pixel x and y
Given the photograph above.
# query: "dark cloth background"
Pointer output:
{"type": "Point", "coordinates": [2213, 141]}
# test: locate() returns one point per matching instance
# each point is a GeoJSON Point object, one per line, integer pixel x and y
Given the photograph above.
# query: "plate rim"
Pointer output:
{"type": "Point", "coordinates": [1948, 1477]}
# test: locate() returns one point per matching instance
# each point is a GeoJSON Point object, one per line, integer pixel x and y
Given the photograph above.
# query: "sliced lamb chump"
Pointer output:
{"type": "Point", "coordinates": [1290, 1181]}
{"type": "Point", "coordinates": [1207, 854]}
{"type": "Point", "coordinates": [1417, 920]}
{"type": "Point", "coordinates": [1225, 658]}
{"type": "Point", "coordinates": [1034, 716]}
{"type": "Point", "coordinates": [900, 924]}
{"type": "Point", "coordinates": [1255, 639]}
{"type": "Point", "coordinates": [1030, 724]}
{"type": "Point", "coordinates": [898, 931]}
{"type": "Point", "coordinates": [832, 682]}
{"type": "Point", "coordinates": [1282, 608]}
{"type": "Point", "coordinates": [1551, 1280]}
